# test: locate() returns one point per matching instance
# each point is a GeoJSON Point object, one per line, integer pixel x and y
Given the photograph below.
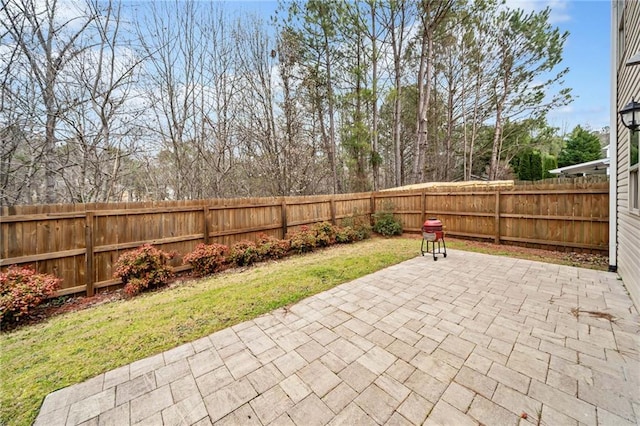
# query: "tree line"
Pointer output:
{"type": "Point", "coordinates": [114, 101]}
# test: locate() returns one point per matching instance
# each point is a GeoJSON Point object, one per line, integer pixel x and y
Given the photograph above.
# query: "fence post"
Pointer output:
{"type": "Point", "coordinates": [497, 218]}
{"type": "Point", "coordinates": [284, 218]}
{"type": "Point", "coordinates": [372, 207]}
{"type": "Point", "coordinates": [205, 211]}
{"type": "Point", "coordinates": [423, 203]}
{"type": "Point", "coordinates": [333, 211]}
{"type": "Point", "coordinates": [88, 242]}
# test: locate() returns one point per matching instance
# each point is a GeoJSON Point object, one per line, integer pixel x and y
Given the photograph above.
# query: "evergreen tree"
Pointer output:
{"type": "Point", "coordinates": [528, 165]}
{"type": "Point", "coordinates": [549, 162]}
{"type": "Point", "coordinates": [582, 146]}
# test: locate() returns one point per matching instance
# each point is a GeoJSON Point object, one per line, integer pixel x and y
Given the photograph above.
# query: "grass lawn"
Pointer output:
{"type": "Point", "coordinates": [73, 347]}
{"type": "Point", "coordinates": [67, 349]}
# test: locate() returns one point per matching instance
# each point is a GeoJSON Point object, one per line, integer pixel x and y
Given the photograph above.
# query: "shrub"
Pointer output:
{"type": "Point", "coordinates": [22, 289]}
{"type": "Point", "coordinates": [360, 225]}
{"type": "Point", "coordinates": [143, 267]}
{"type": "Point", "coordinates": [302, 241]}
{"type": "Point", "coordinates": [272, 248]}
{"type": "Point", "coordinates": [325, 234]}
{"type": "Point", "coordinates": [207, 258]}
{"type": "Point", "coordinates": [244, 253]}
{"type": "Point", "coordinates": [346, 235]}
{"type": "Point", "coordinates": [386, 224]}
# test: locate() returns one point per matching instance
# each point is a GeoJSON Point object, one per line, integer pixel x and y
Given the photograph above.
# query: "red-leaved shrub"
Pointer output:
{"type": "Point", "coordinates": [244, 253]}
{"type": "Point", "coordinates": [207, 258]}
{"type": "Point", "coordinates": [325, 234]}
{"type": "Point", "coordinates": [143, 267]}
{"type": "Point", "coordinates": [271, 247]}
{"type": "Point", "coordinates": [302, 241]}
{"type": "Point", "coordinates": [22, 289]}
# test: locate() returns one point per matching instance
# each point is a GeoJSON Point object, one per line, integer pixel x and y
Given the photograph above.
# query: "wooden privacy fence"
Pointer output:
{"type": "Point", "coordinates": [81, 243]}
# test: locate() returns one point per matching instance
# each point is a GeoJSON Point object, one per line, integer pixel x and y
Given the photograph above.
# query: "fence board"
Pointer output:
{"type": "Point", "coordinates": [81, 243]}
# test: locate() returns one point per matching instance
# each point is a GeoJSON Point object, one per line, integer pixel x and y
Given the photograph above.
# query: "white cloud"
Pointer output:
{"type": "Point", "coordinates": [569, 116]}
{"type": "Point", "coordinates": [70, 13]}
{"type": "Point", "coordinates": [567, 109]}
{"type": "Point", "coordinates": [559, 8]}
{"type": "Point", "coordinates": [73, 12]}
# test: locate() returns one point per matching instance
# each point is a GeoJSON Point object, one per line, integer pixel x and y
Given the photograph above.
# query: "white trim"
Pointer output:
{"type": "Point", "coordinates": [633, 175]}
{"type": "Point", "coordinates": [613, 141]}
{"type": "Point", "coordinates": [595, 167]}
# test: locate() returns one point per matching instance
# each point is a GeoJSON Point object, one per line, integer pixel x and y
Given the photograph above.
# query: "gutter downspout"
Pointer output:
{"type": "Point", "coordinates": [613, 143]}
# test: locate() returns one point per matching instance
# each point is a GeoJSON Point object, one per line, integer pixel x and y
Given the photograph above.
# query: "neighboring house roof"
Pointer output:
{"type": "Point", "coordinates": [595, 167]}
{"type": "Point", "coordinates": [465, 184]}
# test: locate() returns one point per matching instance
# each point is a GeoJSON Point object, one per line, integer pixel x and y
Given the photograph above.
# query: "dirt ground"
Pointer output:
{"type": "Point", "coordinates": [76, 303]}
{"type": "Point", "coordinates": [582, 260]}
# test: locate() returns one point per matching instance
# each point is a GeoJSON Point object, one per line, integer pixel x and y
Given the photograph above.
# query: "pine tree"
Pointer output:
{"type": "Point", "coordinates": [582, 146]}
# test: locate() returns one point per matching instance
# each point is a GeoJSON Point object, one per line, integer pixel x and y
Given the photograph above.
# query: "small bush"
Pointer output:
{"type": "Point", "coordinates": [360, 225]}
{"type": "Point", "coordinates": [325, 234]}
{"type": "Point", "coordinates": [386, 224]}
{"type": "Point", "coordinates": [244, 253]}
{"type": "Point", "coordinates": [302, 241]}
{"type": "Point", "coordinates": [22, 289]}
{"type": "Point", "coordinates": [272, 248]}
{"type": "Point", "coordinates": [143, 267]}
{"type": "Point", "coordinates": [346, 235]}
{"type": "Point", "coordinates": [207, 258]}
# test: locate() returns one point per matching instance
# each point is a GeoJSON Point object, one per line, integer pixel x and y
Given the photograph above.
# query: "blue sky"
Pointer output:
{"type": "Point", "coordinates": [586, 54]}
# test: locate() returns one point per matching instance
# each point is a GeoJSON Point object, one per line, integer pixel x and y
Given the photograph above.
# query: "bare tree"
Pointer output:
{"type": "Point", "coordinates": [262, 140]}
{"type": "Point", "coordinates": [21, 149]}
{"type": "Point", "coordinates": [191, 88]}
{"type": "Point", "coordinates": [299, 155]}
{"type": "Point", "coordinates": [49, 42]}
{"type": "Point", "coordinates": [201, 103]}
{"type": "Point", "coordinates": [100, 129]}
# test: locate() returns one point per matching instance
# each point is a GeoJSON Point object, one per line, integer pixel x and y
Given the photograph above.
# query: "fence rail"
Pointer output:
{"type": "Point", "coordinates": [81, 243]}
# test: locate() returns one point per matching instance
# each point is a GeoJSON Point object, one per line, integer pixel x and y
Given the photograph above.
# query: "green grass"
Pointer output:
{"type": "Point", "coordinates": [71, 348]}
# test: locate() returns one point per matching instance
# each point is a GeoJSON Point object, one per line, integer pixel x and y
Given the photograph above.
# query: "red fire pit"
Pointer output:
{"type": "Point", "coordinates": [432, 233]}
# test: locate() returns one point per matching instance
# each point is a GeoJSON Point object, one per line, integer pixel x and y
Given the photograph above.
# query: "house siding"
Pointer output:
{"type": "Point", "coordinates": [627, 87]}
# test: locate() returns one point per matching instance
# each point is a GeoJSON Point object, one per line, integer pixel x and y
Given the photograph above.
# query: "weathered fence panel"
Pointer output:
{"type": "Point", "coordinates": [81, 243]}
{"type": "Point", "coordinates": [356, 205]}
{"type": "Point", "coordinates": [308, 210]}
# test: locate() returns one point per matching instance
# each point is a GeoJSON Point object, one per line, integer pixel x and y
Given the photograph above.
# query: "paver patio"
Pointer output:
{"type": "Point", "coordinates": [468, 339]}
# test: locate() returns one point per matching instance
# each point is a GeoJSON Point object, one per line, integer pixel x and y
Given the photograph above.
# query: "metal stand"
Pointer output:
{"type": "Point", "coordinates": [441, 250]}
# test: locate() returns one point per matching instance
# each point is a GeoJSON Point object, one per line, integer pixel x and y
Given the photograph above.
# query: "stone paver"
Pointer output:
{"type": "Point", "coordinates": [471, 339]}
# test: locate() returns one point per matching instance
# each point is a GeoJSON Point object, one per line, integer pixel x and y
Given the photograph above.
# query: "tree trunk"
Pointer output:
{"type": "Point", "coordinates": [424, 94]}
{"type": "Point", "coordinates": [450, 124]}
{"type": "Point", "coordinates": [337, 187]}
{"type": "Point", "coordinates": [497, 137]}
{"type": "Point", "coordinates": [500, 103]}
{"type": "Point", "coordinates": [49, 151]}
{"type": "Point", "coordinates": [397, 104]}
{"type": "Point", "coordinates": [375, 162]}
